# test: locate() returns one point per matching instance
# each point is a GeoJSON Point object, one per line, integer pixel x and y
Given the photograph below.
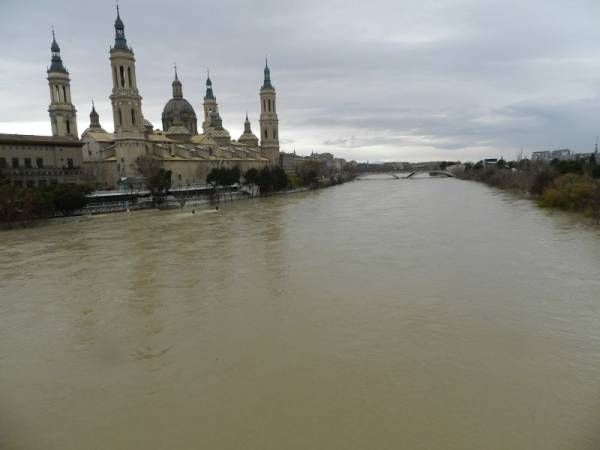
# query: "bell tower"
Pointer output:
{"type": "Point", "coordinates": [126, 103]}
{"type": "Point", "coordinates": [63, 115]}
{"type": "Point", "coordinates": [125, 98]}
{"type": "Point", "coordinates": [269, 123]}
{"type": "Point", "coordinates": [210, 105]}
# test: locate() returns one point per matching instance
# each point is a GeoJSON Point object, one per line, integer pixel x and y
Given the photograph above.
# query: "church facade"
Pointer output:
{"type": "Point", "coordinates": [188, 150]}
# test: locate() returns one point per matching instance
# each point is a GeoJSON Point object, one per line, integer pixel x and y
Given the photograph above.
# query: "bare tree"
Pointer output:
{"type": "Point", "coordinates": [148, 166]}
{"type": "Point", "coordinates": [157, 178]}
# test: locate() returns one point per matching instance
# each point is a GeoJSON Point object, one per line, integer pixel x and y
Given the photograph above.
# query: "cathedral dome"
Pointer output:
{"type": "Point", "coordinates": [178, 111]}
{"type": "Point", "coordinates": [178, 130]}
{"type": "Point", "coordinates": [249, 139]}
{"type": "Point", "coordinates": [178, 106]}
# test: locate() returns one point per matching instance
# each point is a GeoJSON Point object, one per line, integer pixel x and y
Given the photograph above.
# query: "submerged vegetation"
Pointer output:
{"type": "Point", "coordinates": [20, 206]}
{"type": "Point", "coordinates": [571, 185]}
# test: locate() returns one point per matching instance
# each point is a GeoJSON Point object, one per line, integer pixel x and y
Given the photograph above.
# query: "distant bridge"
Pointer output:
{"type": "Point", "coordinates": [433, 173]}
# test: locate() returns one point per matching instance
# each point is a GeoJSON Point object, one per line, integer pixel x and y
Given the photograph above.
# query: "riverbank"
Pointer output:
{"type": "Point", "coordinates": [174, 200]}
{"type": "Point", "coordinates": [566, 185]}
{"type": "Point", "coordinates": [198, 197]}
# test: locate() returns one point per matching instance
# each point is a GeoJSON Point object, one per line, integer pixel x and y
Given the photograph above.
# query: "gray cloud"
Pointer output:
{"type": "Point", "coordinates": [378, 80]}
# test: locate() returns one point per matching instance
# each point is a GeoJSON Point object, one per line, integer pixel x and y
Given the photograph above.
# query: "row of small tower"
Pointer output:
{"type": "Point", "coordinates": [127, 102]}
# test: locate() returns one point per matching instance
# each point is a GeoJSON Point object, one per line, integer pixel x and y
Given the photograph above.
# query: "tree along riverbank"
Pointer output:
{"type": "Point", "coordinates": [567, 185]}
{"type": "Point", "coordinates": [20, 207]}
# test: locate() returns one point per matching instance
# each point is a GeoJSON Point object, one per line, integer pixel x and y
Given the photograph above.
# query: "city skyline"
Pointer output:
{"type": "Point", "coordinates": [387, 82]}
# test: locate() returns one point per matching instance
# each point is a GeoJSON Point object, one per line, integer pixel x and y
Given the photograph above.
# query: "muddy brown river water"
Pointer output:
{"type": "Point", "coordinates": [380, 314]}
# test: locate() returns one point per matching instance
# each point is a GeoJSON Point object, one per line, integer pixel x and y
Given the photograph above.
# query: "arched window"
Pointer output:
{"type": "Point", "coordinates": [56, 94]}
{"type": "Point", "coordinates": [68, 124]}
{"type": "Point", "coordinates": [129, 76]}
{"type": "Point", "coordinates": [64, 94]}
{"type": "Point", "coordinates": [269, 103]}
{"type": "Point", "coordinates": [264, 105]}
{"type": "Point", "coordinates": [120, 118]}
{"type": "Point", "coordinates": [266, 133]}
{"type": "Point", "coordinates": [133, 116]}
{"type": "Point", "coordinates": [122, 71]}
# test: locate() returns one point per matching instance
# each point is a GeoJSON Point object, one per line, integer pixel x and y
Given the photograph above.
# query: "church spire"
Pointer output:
{"type": "Point", "coordinates": [120, 41]}
{"type": "Point", "coordinates": [177, 86]}
{"type": "Point", "coordinates": [267, 83]}
{"type": "Point", "coordinates": [248, 138]}
{"type": "Point", "coordinates": [94, 117]}
{"type": "Point", "coordinates": [247, 126]}
{"type": "Point", "coordinates": [57, 64]}
{"type": "Point", "coordinates": [209, 89]}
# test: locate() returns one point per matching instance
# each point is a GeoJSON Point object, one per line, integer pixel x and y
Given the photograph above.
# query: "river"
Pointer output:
{"type": "Point", "coordinates": [379, 314]}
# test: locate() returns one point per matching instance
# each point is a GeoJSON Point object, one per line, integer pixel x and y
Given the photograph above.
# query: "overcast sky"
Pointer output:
{"type": "Point", "coordinates": [378, 80]}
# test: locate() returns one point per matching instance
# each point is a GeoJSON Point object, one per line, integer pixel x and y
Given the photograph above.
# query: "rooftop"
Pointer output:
{"type": "Point", "coordinates": [27, 139]}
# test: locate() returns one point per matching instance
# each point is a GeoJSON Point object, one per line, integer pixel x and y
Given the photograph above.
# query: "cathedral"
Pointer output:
{"type": "Point", "coordinates": [189, 153]}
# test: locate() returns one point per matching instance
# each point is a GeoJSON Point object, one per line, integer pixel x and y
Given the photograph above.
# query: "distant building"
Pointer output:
{"type": "Point", "coordinates": [545, 155]}
{"type": "Point", "coordinates": [330, 165]}
{"type": "Point", "coordinates": [548, 155]}
{"type": "Point", "coordinates": [580, 156]}
{"type": "Point", "coordinates": [291, 163]}
{"type": "Point", "coordinates": [333, 165]}
{"type": "Point", "coordinates": [393, 166]}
